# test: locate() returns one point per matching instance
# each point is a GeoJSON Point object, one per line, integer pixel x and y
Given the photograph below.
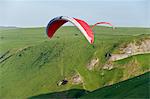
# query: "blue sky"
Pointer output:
{"type": "Point", "coordinates": [37, 13]}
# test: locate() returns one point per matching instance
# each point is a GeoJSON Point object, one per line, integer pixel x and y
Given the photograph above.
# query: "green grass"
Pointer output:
{"type": "Point", "coordinates": [38, 63]}
{"type": "Point", "coordinates": [137, 87]}
{"type": "Point", "coordinates": [73, 93]}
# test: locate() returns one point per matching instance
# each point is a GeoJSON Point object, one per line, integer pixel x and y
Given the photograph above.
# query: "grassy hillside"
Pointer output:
{"type": "Point", "coordinates": [137, 87]}
{"type": "Point", "coordinates": [126, 89]}
{"type": "Point", "coordinates": [32, 64]}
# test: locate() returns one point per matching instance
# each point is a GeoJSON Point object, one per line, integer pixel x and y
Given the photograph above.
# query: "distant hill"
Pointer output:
{"type": "Point", "coordinates": [8, 27]}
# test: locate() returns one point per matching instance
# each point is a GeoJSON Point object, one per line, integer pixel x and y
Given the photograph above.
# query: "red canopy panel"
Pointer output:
{"type": "Point", "coordinates": [103, 23]}
{"type": "Point", "coordinates": [86, 28]}
{"type": "Point", "coordinates": [57, 22]}
{"type": "Point", "coordinates": [54, 27]}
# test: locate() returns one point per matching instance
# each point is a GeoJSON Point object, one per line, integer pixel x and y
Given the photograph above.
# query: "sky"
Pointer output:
{"type": "Point", "coordinates": [37, 13]}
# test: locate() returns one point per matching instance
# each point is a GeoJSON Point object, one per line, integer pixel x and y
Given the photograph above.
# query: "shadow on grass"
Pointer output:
{"type": "Point", "coordinates": [134, 88]}
{"type": "Point", "coordinates": [73, 93]}
{"type": "Point", "coordinates": [137, 87]}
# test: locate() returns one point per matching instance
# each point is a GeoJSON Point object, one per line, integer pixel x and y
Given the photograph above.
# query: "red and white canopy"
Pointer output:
{"type": "Point", "coordinates": [57, 22]}
{"type": "Point", "coordinates": [103, 23]}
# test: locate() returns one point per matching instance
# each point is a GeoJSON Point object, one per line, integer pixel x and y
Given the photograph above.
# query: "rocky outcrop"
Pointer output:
{"type": "Point", "coordinates": [108, 66]}
{"type": "Point", "coordinates": [92, 63]}
{"type": "Point", "coordinates": [76, 79]}
{"type": "Point", "coordinates": [139, 47]}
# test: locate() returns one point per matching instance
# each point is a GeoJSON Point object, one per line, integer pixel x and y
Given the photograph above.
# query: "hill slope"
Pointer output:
{"type": "Point", "coordinates": [137, 87]}
{"type": "Point", "coordinates": [31, 64]}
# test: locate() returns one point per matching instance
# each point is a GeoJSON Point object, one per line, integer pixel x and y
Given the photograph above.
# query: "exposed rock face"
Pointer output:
{"type": "Point", "coordinates": [108, 66]}
{"type": "Point", "coordinates": [135, 48]}
{"type": "Point", "coordinates": [138, 47]}
{"type": "Point", "coordinates": [92, 63]}
{"type": "Point", "coordinates": [115, 57]}
{"type": "Point", "coordinates": [76, 79]}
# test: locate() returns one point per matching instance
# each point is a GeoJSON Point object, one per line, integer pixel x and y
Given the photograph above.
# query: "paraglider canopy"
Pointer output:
{"type": "Point", "coordinates": [57, 22]}
{"type": "Point", "coordinates": [103, 23]}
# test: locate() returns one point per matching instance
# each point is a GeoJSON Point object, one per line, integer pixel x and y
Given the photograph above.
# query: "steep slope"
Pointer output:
{"type": "Point", "coordinates": [137, 87]}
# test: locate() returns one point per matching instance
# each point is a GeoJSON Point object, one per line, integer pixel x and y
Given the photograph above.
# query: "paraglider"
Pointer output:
{"type": "Point", "coordinates": [103, 23]}
{"type": "Point", "coordinates": [57, 22]}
